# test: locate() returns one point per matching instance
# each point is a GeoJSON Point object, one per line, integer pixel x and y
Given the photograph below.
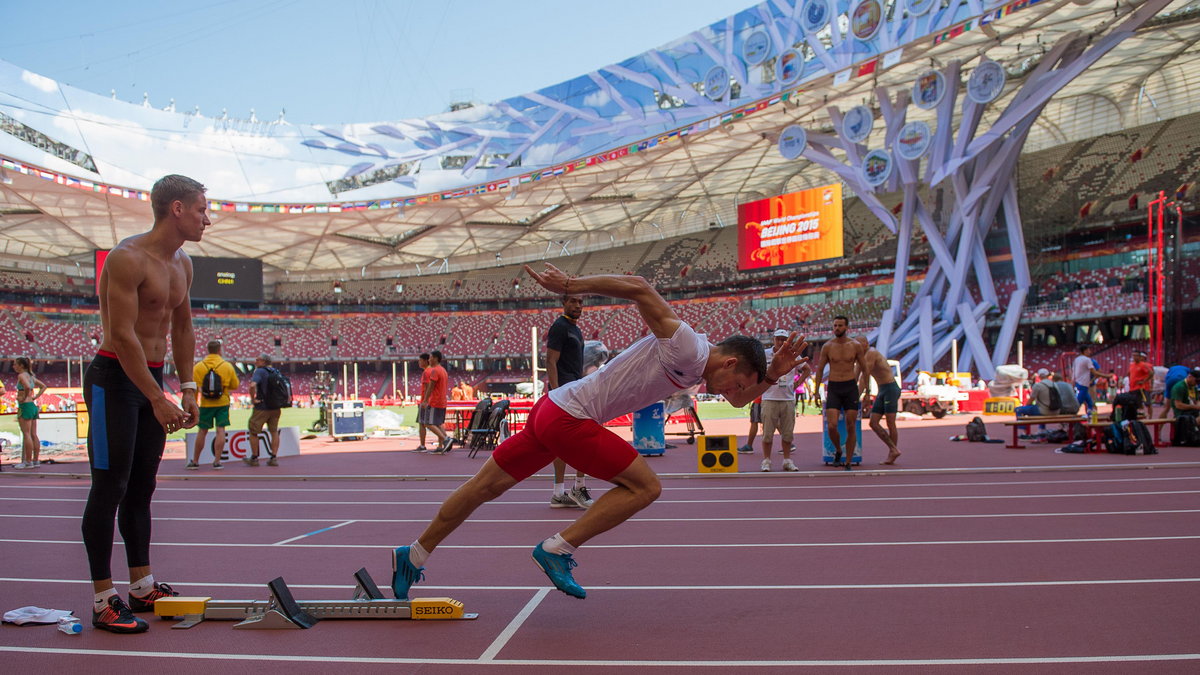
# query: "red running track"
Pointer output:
{"type": "Point", "coordinates": [1075, 571]}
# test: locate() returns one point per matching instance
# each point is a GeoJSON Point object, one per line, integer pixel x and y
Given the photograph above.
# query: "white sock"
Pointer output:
{"type": "Point", "coordinates": [102, 597]}
{"type": "Point", "coordinates": [142, 586]}
{"type": "Point", "coordinates": [558, 545]}
{"type": "Point", "coordinates": [578, 482]}
{"type": "Point", "coordinates": [560, 489]}
{"type": "Point", "coordinates": [417, 555]}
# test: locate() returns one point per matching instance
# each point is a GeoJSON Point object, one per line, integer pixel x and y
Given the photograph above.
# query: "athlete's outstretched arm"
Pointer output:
{"type": "Point", "coordinates": [784, 362]}
{"type": "Point", "coordinates": [657, 314]}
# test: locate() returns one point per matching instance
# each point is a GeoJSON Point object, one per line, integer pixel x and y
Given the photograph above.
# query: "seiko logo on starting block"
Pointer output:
{"type": "Point", "coordinates": [436, 608]}
{"type": "Point", "coordinates": [433, 610]}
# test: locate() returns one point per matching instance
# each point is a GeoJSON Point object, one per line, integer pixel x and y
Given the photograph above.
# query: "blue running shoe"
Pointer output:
{"type": "Point", "coordinates": [558, 568]}
{"type": "Point", "coordinates": [404, 574]}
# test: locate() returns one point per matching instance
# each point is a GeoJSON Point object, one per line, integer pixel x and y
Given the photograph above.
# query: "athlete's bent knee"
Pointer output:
{"type": "Point", "coordinates": [647, 493]}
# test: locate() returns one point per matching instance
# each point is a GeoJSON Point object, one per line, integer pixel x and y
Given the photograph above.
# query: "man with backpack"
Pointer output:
{"type": "Point", "coordinates": [271, 392]}
{"type": "Point", "coordinates": [216, 378]}
{"type": "Point", "coordinates": [1044, 400]}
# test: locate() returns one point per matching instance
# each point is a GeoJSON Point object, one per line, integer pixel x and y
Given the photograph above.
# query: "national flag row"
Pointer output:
{"type": "Point", "coordinates": [983, 20]}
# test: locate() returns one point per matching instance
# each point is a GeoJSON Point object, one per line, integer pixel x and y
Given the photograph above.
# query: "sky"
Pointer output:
{"type": "Point", "coordinates": [332, 62]}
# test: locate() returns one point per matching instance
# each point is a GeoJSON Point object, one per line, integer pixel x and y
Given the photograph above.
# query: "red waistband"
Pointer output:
{"type": "Point", "coordinates": [151, 364]}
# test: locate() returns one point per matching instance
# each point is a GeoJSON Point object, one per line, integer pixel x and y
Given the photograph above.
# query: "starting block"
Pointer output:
{"type": "Point", "coordinates": [281, 610]}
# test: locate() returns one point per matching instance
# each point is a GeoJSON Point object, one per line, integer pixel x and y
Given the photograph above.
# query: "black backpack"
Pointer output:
{"type": "Point", "coordinates": [1118, 442]}
{"type": "Point", "coordinates": [278, 392]}
{"type": "Point", "coordinates": [976, 431]}
{"type": "Point", "coordinates": [1125, 406]}
{"type": "Point", "coordinates": [1115, 440]}
{"type": "Point", "coordinates": [1186, 431]}
{"type": "Point", "coordinates": [1056, 402]}
{"type": "Point", "coordinates": [211, 386]}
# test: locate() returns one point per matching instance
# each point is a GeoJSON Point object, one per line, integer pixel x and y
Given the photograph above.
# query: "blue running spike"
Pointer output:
{"type": "Point", "coordinates": [558, 568]}
{"type": "Point", "coordinates": [404, 573]}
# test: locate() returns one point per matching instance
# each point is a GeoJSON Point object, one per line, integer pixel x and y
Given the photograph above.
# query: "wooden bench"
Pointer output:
{"type": "Point", "coordinates": [1096, 432]}
{"type": "Point", "coordinates": [1028, 422]}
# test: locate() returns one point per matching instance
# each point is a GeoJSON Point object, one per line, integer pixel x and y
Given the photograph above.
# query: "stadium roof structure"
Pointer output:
{"type": "Point", "coordinates": [665, 143]}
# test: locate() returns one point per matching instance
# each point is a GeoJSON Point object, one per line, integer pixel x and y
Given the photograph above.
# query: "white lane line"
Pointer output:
{"type": "Point", "coordinates": [698, 519]}
{"type": "Point", "coordinates": [768, 500]}
{"type": "Point", "coordinates": [671, 488]}
{"type": "Point", "coordinates": [1033, 660]}
{"type": "Point", "coordinates": [489, 654]}
{"type": "Point", "coordinates": [820, 473]}
{"type": "Point", "coordinates": [309, 534]}
{"type": "Point", "coordinates": [830, 544]}
{"type": "Point", "coordinates": [739, 588]}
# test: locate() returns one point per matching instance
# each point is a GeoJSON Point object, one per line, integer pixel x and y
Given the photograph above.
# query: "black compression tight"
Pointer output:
{"type": "Point", "coordinates": [125, 446]}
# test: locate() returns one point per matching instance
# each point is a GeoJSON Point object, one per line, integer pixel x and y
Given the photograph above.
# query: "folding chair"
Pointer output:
{"type": "Point", "coordinates": [488, 436]}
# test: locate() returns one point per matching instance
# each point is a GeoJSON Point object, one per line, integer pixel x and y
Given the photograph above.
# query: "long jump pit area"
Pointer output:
{"type": "Point", "coordinates": [963, 557]}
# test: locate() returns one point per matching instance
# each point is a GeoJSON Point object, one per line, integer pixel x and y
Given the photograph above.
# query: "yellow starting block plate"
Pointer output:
{"type": "Point", "coordinates": [717, 454]}
{"type": "Point", "coordinates": [435, 608]}
{"type": "Point", "coordinates": [180, 605]}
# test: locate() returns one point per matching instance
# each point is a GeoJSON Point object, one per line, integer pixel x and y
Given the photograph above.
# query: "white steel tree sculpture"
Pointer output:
{"type": "Point", "coordinates": [977, 168]}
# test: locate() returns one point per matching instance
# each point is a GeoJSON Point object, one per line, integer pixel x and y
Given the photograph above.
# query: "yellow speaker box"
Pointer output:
{"type": "Point", "coordinates": [717, 454]}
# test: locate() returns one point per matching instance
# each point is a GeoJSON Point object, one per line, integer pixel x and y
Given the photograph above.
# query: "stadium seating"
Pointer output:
{"type": "Point", "coordinates": [698, 271]}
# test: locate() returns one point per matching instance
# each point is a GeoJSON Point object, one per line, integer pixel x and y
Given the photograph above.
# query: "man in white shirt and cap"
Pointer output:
{"type": "Point", "coordinates": [779, 409]}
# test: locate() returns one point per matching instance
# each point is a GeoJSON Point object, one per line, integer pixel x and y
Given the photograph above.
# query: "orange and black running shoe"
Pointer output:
{"type": "Point", "coordinates": [116, 618]}
{"type": "Point", "coordinates": [146, 603]}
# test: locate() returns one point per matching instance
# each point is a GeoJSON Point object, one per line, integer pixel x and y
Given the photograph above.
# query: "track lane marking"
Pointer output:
{"type": "Point", "coordinates": [698, 519]}
{"type": "Point", "coordinates": [1034, 660]}
{"type": "Point", "coordinates": [309, 534]}
{"type": "Point", "coordinates": [660, 501]}
{"type": "Point", "coordinates": [510, 630]}
{"type": "Point", "coordinates": [718, 488]}
{"type": "Point", "coordinates": [496, 547]}
{"type": "Point", "coordinates": [693, 587]}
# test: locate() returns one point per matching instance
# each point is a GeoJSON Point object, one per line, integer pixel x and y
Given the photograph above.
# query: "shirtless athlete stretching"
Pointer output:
{"type": "Point", "coordinates": [144, 291]}
{"type": "Point", "coordinates": [842, 355]}
{"type": "Point", "coordinates": [887, 402]}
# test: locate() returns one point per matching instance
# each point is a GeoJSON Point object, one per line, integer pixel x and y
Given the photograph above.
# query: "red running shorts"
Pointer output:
{"type": "Point", "coordinates": [551, 432]}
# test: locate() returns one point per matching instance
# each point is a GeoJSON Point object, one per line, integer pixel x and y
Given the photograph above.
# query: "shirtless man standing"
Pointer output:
{"type": "Point", "coordinates": [842, 355]}
{"type": "Point", "coordinates": [144, 293]}
{"type": "Point", "coordinates": [887, 402]}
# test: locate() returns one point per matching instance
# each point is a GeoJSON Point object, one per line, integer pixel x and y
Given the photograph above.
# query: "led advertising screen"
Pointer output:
{"type": "Point", "coordinates": [791, 229]}
{"type": "Point", "coordinates": [239, 279]}
{"type": "Point", "coordinates": [227, 279]}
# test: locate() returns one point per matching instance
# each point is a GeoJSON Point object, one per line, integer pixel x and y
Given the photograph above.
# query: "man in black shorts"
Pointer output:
{"type": "Point", "coordinates": [887, 402]}
{"type": "Point", "coordinates": [144, 291]}
{"type": "Point", "coordinates": [847, 378]}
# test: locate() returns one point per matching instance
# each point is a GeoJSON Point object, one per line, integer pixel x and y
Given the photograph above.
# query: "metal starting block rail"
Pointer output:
{"type": "Point", "coordinates": [281, 610]}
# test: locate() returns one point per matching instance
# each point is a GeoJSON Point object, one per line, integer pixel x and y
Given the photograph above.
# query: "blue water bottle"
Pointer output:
{"type": "Point", "coordinates": [70, 625]}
